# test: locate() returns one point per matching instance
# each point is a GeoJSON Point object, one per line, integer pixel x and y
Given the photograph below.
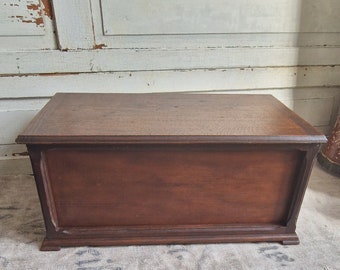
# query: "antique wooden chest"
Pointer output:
{"type": "Point", "coordinates": [126, 169]}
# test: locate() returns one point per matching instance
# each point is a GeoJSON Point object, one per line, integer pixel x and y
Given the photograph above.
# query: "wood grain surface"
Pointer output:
{"type": "Point", "coordinates": [107, 118]}
{"type": "Point", "coordinates": [171, 185]}
{"type": "Point", "coordinates": [117, 169]}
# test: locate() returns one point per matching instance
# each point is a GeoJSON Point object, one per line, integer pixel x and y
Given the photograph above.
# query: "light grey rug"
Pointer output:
{"type": "Point", "coordinates": [22, 230]}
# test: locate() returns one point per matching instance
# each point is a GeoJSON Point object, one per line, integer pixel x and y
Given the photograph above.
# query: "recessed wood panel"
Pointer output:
{"type": "Point", "coordinates": [170, 185]}
{"type": "Point", "coordinates": [22, 17]}
{"type": "Point", "coordinates": [155, 17]}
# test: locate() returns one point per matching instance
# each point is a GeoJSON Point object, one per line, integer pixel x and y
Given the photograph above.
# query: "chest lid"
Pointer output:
{"type": "Point", "coordinates": [84, 118]}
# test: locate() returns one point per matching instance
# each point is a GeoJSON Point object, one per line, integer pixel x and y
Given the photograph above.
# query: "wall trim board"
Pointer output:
{"type": "Point", "coordinates": [15, 166]}
{"type": "Point", "coordinates": [80, 61]}
{"type": "Point", "coordinates": [13, 151]}
{"type": "Point", "coordinates": [239, 40]}
{"type": "Point", "coordinates": [286, 95]}
{"type": "Point", "coordinates": [29, 86]}
{"type": "Point", "coordinates": [14, 160]}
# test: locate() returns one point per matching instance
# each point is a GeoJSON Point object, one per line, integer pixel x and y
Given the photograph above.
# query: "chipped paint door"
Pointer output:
{"type": "Point", "coordinates": [169, 35]}
{"type": "Point", "coordinates": [201, 34]}
{"type": "Point", "coordinates": [214, 24]}
{"type": "Point", "coordinates": [26, 25]}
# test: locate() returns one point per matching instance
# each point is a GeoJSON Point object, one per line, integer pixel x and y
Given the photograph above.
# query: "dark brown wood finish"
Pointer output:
{"type": "Point", "coordinates": [150, 118]}
{"type": "Point", "coordinates": [122, 169]}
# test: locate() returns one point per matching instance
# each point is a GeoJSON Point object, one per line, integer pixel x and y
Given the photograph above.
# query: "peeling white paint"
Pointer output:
{"type": "Point", "coordinates": [21, 17]}
{"type": "Point", "coordinates": [287, 48]}
{"type": "Point", "coordinates": [108, 60]}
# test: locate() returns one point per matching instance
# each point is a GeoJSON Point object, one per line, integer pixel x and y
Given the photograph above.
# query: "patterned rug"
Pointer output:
{"type": "Point", "coordinates": [22, 230]}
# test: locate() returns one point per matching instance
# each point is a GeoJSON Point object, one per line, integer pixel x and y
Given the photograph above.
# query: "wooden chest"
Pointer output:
{"type": "Point", "coordinates": [125, 169]}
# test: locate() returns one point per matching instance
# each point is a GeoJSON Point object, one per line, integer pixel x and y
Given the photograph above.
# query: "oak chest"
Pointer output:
{"type": "Point", "coordinates": [125, 169]}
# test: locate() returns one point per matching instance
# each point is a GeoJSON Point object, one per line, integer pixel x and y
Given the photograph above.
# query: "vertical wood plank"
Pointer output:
{"type": "Point", "coordinates": [74, 24]}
